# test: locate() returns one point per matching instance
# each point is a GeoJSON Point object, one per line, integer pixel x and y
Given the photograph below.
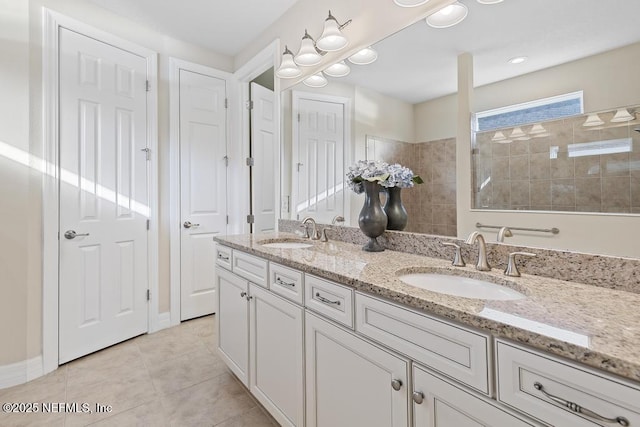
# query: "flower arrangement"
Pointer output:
{"type": "Point", "coordinates": [386, 175]}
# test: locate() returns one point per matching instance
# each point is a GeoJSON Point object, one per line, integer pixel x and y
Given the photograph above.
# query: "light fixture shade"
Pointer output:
{"type": "Point", "coordinates": [490, 1]}
{"type": "Point", "coordinates": [519, 135]}
{"type": "Point", "coordinates": [448, 16]}
{"type": "Point", "coordinates": [307, 55]}
{"type": "Point", "coordinates": [517, 60]}
{"type": "Point", "coordinates": [288, 68]}
{"type": "Point", "coordinates": [410, 3]}
{"type": "Point", "coordinates": [364, 56]}
{"type": "Point", "coordinates": [593, 120]}
{"type": "Point", "coordinates": [622, 115]}
{"type": "Point", "coordinates": [316, 80]}
{"type": "Point", "coordinates": [339, 69]}
{"type": "Point", "coordinates": [331, 38]}
{"type": "Point", "coordinates": [499, 136]}
{"type": "Point", "coordinates": [537, 129]}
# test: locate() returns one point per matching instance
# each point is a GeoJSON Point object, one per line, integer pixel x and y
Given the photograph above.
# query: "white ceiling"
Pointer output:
{"type": "Point", "coordinates": [419, 62]}
{"type": "Point", "coordinates": [223, 26]}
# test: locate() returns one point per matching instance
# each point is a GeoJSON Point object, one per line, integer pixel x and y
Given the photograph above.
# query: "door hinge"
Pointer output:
{"type": "Point", "coordinates": [249, 105]}
{"type": "Point", "coordinates": [250, 161]}
{"type": "Point", "coordinates": [226, 103]}
{"type": "Point", "coordinates": [147, 86]}
{"type": "Point", "coordinates": [148, 224]}
{"type": "Point", "coordinates": [226, 160]}
{"type": "Point", "coordinates": [298, 117]}
{"type": "Point", "coordinates": [250, 219]}
{"type": "Point", "coordinates": [148, 294]}
{"type": "Point", "coordinates": [147, 152]}
{"type": "Point", "coordinates": [227, 219]}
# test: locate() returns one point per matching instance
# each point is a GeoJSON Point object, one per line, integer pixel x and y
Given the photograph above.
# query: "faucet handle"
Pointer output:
{"type": "Point", "coordinates": [458, 261]}
{"type": "Point", "coordinates": [324, 233]}
{"type": "Point", "coordinates": [306, 230]}
{"type": "Point", "coordinates": [512, 268]}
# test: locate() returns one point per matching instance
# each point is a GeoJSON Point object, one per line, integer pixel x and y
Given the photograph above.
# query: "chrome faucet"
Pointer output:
{"type": "Point", "coordinates": [483, 264]}
{"type": "Point", "coordinates": [337, 218]}
{"type": "Point", "coordinates": [504, 232]}
{"type": "Point", "coordinates": [315, 235]}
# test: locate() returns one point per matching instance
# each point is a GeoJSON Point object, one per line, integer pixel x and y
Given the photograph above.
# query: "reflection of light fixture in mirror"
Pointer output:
{"type": "Point", "coordinates": [597, 148]}
{"type": "Point", "coordinates": [288, 68]}
{"type": "Point", "coordinates": [364, 56]}
{"type": "Point", "coordinates": [332, 38]}
{"type": "Point", "coordinates": [622, 115]}
{"type": "Point", "coordinates": [410, 3]}
{"type": "Point", "coordinates": [490, 1]}
{"type": "Point", "coordinates": [519, 135]}
{"type": "Point", "coordinates": [536, 129]}
{"type": "Point", "coordinates": [517, 60]}
{"type": "Point", "coordinates": [339, 69]}
{"type": "Point", "coordinates": [316, 80]}
{"type": "Point", "coordinates": [593, 120]}
{"type": "Point", "coordinates": [448, 16]}
{"type": "Point", "coordinates": [499, 136]}
{"type": "Point", "coordinates": [308, 55]}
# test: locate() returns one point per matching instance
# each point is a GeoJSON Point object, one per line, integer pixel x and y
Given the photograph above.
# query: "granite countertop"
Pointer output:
{"type": "Point", "coordinates": [596, 326]}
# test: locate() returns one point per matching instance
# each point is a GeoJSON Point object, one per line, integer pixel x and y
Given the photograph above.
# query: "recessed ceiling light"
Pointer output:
{"type": "Point", "coordinates": [489, 1]}
{"type": "Point", "coordinates": [411, 3]}
{"type": "Point", "coordinates": [517, 60]}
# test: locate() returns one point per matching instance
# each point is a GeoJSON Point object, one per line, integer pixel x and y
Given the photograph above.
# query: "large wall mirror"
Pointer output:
{"type": "Point", "coordinates": [403, 109]}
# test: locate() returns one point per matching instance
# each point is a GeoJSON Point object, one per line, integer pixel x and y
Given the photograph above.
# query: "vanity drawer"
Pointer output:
{"type": "Point", "coordinates": [330, 299]}
{"type": "Point", "coordinates": [456, 352]}
{"type": "Point", "coordinates": [223, 256]}
{"type": "Point", "coordinates": [286, 282]}
{"type": "Point", "coordinates": [250, 267]}
{"type": "Point", "coordinates": [546, 388]}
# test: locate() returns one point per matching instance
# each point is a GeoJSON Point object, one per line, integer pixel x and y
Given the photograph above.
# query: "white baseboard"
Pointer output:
{"type": "Point", "coordinates": [164, 321]}
{"type": "Point", "coordinates": [21, 372]}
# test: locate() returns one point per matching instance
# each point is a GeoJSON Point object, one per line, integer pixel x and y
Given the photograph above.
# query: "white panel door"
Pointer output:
{"type": "Point", "coordinates": [103, 196]}
{"type": "Point", "coordinates": [319, 167]}
{"type": "Point", "coordinates": [350, 382]}
{"type": "Point", "coordinates": [203, 188]}
{"type": "Point", "coordinates": [264, 151]}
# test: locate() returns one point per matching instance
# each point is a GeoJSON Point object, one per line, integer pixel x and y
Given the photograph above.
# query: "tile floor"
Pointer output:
{"type": "Point", "coordinates": [171, 378]}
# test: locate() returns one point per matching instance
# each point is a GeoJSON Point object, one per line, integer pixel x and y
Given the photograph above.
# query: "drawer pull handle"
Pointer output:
{"type": "Point", "coordinates": [281, 282]}
{"type": "Point", "coordinates": [579, 409]}
{"type": "Point", "coordinates": [222, 257]}
{"type": "Point", "coordinates": [396, 385]}
{"type": "Point", "coordinates": [418, 397]}
{"type": "Point", "coordinates": [326, 301]}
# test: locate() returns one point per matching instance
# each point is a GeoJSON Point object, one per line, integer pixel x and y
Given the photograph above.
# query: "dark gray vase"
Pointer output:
{"type": "Point", "coordinates": [393, 207]}
{"type": "Point", "coordinates": [372, 219]}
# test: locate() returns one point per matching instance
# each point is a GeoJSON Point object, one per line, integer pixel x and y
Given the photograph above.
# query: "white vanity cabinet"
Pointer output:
{"type": "Point", "coordinates": [260, 337]}
{"type": "Point", "coordinates": [352, 382]}
{"type": "Point", "coordinates": [439, 403]}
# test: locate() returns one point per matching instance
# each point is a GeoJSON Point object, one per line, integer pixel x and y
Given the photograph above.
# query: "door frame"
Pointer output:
{"type": "Point", "coordinates": [52, 22]}
{"type": "Point", "coordinates": [347, 148]}
{"type": "Point", "coordinates": [175, 227]}
{"type": "Point", "coordinates": [268, 57]}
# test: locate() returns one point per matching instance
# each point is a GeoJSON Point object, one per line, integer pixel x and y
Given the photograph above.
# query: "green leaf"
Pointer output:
{"type": "Point", "coordinates": [417, 180]}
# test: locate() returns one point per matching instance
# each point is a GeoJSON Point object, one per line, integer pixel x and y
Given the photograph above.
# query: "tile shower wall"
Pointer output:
{"type": "Point", "coordinates": [538, 174]}
{"type": "Point", "coordinates": [431, 207]}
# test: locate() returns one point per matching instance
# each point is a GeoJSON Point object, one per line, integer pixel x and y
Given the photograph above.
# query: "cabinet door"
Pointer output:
{"type": "Point", "coordinates": [233, 323]}
{"type": "Point", "coordinates": [350, 382]}
{"type": "Point", "coordinates": [277, 356]}
{"type": "Point", "coordinates": [438, 403]}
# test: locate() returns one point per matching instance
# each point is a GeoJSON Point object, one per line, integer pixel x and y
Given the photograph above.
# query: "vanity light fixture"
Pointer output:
{"type": "Point", "coordinates": [448, 16]}
{"type": "Point", "coordinates": [537, 129]}
{"type": "Point", "coordinates": [364, 56]}
{"type": "Point", "coordinates": [316, 80]}
{"type": "Point", "coordinates": [517, 60]}
{"type": "Point", "coordinates": [519, 135]}
{"type": "Point", "coordinates": [593, 120]}
{"type": "Point", "coordinates": [490, 1]}
{"type": "Point", "coordinates": [410, 3]}
{"type": "Point", "coordinates": [288, 68]}
{"type": "Point", "coordinates": [622, 115]}
{"type": "Point", "coordinates": [499, 136]}
{"type": "Point", "coordinates": [339, 69]}
{"type": "Point", "coordinates": [308, 55]}
{"type": "Point", "coordinates": [332, 38]}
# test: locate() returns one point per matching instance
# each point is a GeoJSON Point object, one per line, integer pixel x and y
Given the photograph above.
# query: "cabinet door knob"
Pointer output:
{"type": "Point", "coordinates": [243, 294]}
{"type": "Point", "coordinates": [418, 397]}
{"type": "Point", "coordinates": [396, 384]}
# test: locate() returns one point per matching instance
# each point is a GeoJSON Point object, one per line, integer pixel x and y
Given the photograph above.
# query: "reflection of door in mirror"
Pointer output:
{"type": "Point", "coordinates": [320, 138]}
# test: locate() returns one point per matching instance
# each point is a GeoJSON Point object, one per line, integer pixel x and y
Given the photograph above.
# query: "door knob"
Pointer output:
{"type": "Point", "coordinates": [71, 234]}
{"type": "Point", "coordinates": [418, 397]}
{"type": "Point", "coordinates": [188, 224]}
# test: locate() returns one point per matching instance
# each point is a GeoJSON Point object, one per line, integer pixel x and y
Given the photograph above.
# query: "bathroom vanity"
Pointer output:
{"type": "Point", "coordinates": [324, 334]}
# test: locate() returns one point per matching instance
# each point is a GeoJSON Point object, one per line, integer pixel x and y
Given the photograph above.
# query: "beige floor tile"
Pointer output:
{"type": "Point", "coordinates": [52, 384]}
{"type": "Point", "coordinates": [185, 371]}
{"type": "Point", "coordinates": [32, 420]}
{"type": "Point", "coordinates": [150, 414]}
{"type": "Point", "coordinates": [255, 417]}
{"type": "Point", "coordinates": [208, 403]}
{"type": "Point", "coordinates": [168, 344]}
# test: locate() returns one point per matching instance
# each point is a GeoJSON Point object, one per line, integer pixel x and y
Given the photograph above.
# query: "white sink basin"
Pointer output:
{"type": "Point", "coordinates": [287, 245]}
{"type": "Point", "coordinates": [460, 286]}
